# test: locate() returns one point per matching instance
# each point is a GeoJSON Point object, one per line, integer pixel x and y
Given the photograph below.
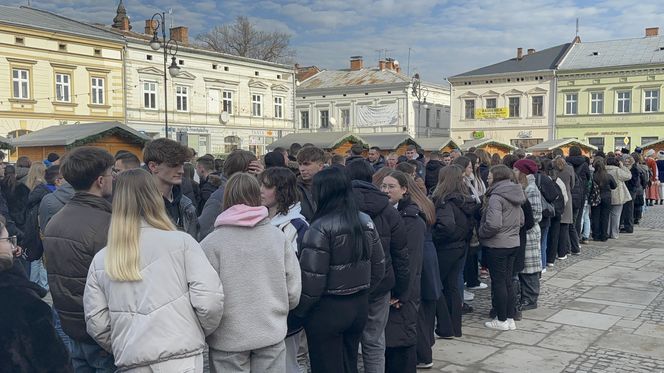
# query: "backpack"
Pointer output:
{"type": "Point", "coordinates": [595, 197]}
{"type": "Point", "coordinates": [578, 192]}
{"type": "Point", "coordinates": [559, 202]}
{"type": "Point", "coordinates": [548, 210]}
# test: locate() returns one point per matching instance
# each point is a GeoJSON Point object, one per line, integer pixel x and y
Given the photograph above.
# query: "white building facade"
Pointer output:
{"type": "Point", "coordinates": [371, 100]}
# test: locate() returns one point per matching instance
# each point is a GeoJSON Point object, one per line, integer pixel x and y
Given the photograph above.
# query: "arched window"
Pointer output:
{"type": "Point", "coordinates": [231, 143]}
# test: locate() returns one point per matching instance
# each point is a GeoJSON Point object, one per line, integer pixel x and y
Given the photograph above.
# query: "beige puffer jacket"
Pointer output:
{"type": "Point", "coordinates": [620, 195]}
{"type": "Point", "coordinates": [164, 316]}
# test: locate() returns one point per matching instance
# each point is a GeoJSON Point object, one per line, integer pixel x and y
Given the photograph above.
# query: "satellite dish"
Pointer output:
{"type": "Point", "coordinates": [333, 121]}
{"type": "Point", "coordinates": [224, 117]}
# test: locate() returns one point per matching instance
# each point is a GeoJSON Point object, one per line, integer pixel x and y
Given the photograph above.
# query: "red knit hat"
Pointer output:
{"type": "Point", "coordinates": [526, 166]}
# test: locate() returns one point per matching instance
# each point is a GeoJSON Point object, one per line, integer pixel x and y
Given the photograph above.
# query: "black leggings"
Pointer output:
{"type": "Point", "coordinates": [501, 265]}
{"type": "Point", "coordinates": [450, 264]}
{"type": "Point", "coordinates": [599, 220]}
{"type": "Point", "coordinates": [334, 328]}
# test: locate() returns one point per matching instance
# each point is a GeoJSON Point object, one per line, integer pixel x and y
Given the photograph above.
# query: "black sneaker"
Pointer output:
{"type": "Point", "coordinates": [528, 306]}
{"type": "Point", "coordinates": [466, 308]}
{"type": "Point", "coordinates": [517, 315]}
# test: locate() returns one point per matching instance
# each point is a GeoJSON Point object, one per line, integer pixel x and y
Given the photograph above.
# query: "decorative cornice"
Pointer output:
{"type": "Point", "coordinates": [20, 60]}
{"type": "Point", "coordinates": [150, 71]}
{"type": "Point", "coordinates": [63, 66]}
{"type": "Point", "coordinates": [221, 81]}
{"type": "Point", "coordinates": [253, 83]}
{"type": "Point", "coordinates": [98, 70]}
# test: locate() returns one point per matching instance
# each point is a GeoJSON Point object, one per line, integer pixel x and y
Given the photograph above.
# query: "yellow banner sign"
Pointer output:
{"type": "Point", "coordinates": [500, 112]}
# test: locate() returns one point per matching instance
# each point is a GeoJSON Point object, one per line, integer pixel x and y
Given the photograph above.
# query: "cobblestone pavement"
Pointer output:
{"type": "Point", "coordinates": [601, 311]}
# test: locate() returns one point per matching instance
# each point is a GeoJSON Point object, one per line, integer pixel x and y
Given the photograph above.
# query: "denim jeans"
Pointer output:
{"type": "Point", "coordinates": [373, 336]}
{"type": "Point", "coordinates": [90, 358]}
{"type": "Point", "coordinates": [585, 229]}
{"type": "Point", "coordinates": [58, 330]}
{"type": "Point", "coordinates": [38, 273]}
{"type": "Point", "coordinates": [544, 244]}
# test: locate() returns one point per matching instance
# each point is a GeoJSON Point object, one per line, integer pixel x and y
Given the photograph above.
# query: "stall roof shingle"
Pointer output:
{"type": "Point", "coordinates": [549, 145]}
{"type": "Point", "coordinates": [485, 141]}
{"type": "Point", "coordinates": [638, 51]}
{"type": "Point", "coordinates": [387, 141]}
{"type": "Point", "coordinates": [323, 140]}
{"type": "Point", "coordinates": [353, 78]}
{"type": "Point", "coordinates": [431, 144]}
{"type": "Point", "coordinates": [67, 135]}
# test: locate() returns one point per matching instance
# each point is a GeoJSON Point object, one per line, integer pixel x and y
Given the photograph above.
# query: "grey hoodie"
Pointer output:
{"type": "Point", "coordinates": [502, 217]}
{"type": "Point", "coordinates": [53, 202]}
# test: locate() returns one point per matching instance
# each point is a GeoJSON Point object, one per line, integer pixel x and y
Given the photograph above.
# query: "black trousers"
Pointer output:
{"type": "Point", "coordinates": [401, 359]}
{"type": "Point", "coordinates": [450, 265]}
{"type": "Point", "coordinates": [599, 220]}
{"type": "Point", "coordinates": [471, 270]}
{"type": "Point", "coordinates": [530, 287]}
{"type": "Point", "coordinates": [334, 328]}
{"type": "Point", "coordinates": [554, 237]}
{"type": "Point", "coordinates": [575, 230]}
{"type": "Point", "coordinates": [564, 239]}
{"type": "Point", "coordinates": [426, 318]}
{"type": "Point", "coordinates": [501, 264]}
{"type": "Point", "coordinates": [627, 217]}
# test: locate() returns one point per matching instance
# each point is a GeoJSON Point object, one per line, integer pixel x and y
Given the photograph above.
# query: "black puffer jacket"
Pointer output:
{"type": "Point", "coordinates": [401, 327]}
{"type": "Point", "coordinates": [582, 169]}
{"type": "Point", "coordinates": [392, 233]}
{"type": "Point", "coordinates": [71, 240]}
{"type": "Point", "coordinates": [327, 265]}
{"type": "Point", "coordinates": [431, 176]}
{"type": "Point", "coordinates": [454, 221]}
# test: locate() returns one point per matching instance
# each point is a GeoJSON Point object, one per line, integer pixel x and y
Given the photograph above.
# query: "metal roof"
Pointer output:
{"type": "Point", "coordinates": [653, 144]}
{"type": "Point", "coordinates": [40, 19]}
{"type": "Point", "coordinates": [350, 78]}
{"type": "Point", "coordinates": [546, 59]}
{"type": "Point", "coordinates": [323, 140]}
{"type": "Point", "coordinates": [388, 141]}
{"type": "Point", "coordinates": [549, 145]}
{"type": "Point", "coordinates": [431, 144]}
{"type": "Point", "coordinates": [484, 142]}
{"type": "Point", "coordinates": [5, 143]}
{"type": "Point", "coordinates": [76, 134]}
{"type": "Point", "coordinates": [639, 51]}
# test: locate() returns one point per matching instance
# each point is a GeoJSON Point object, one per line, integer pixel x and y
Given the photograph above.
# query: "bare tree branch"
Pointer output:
{"type": "Point", "coordinates": [242, 38]}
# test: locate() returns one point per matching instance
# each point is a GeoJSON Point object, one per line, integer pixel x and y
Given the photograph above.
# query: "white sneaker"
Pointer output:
{"type": "Point", "coordinates": [468, 296]}
{"type": "Point", "coordinates": [511, 324]}
{"type": "Point", "coordinates": [544, 270]}
{"type": "Point", "coordinates": [562, 257]}
{"type": "Point", "coordinates": [497, 325]}
{"type": "Point", "coordinates": [481, 286]}
{"type": "Point", "coordinates": [549, 264]}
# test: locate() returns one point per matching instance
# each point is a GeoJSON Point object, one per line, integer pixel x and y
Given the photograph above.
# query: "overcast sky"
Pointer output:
{"type": "Point", "coordinates": [445, 37]}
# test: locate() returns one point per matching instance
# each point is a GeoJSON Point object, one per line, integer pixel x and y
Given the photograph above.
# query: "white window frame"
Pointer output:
{"type": "Point", "coordinates": [509, 107]}
{"type": "Point", "coordinates": [532, 106]}
{"type": "Point", "coordinates": [256, 105]}
{"type": "Point", "coordinates": [97, 85]}
{"type": "Point", "coordinates": [279, 107]}
{"type": "Point", "coordinates": [438, 117]}
{"type": "Point", "coordinates": [182, 98]}
{"type": "Point", "coordinates": [21, 83]}
{"type": "Point", "coordinates": [623, 104]}
{"type": "Point", "coordinates": [324, 123]}
{"type": "Point", "coordinates": [495, 103]}
{"type": "Point", "coordinates": [465, 109]}
{"type": "Point", "coordinates": [62, 87]}
{"type": "Point", "coordinates": [651, 100]}
{"type": "Point", "coordinates": [596, 103]}
{"type": "Point", "coordinates": [227, 102]}
{"type": "Point", "coordinates": [150, 93]}
{"type": "Point", "coordinates": [345, 117]}
{"type": "Point", "coordinates": [302, 122]}
{"type": "Point", "coordinates": [571, 103]}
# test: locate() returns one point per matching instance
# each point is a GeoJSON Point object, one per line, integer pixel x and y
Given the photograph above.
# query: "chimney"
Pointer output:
{"type": "Point", "coordinates": [382, 64]}
{"type": "Point", "coordinates": [531, 51]}
{"type": "Point", "coordinates": [652, 31]}
{"type": "Point", "coordinates": [389, 63]}
{"type": "Point", "coordinates": [180, 34]}
{"type": "Point", "coordinates": [519, 53]}
{"type": "Point", "coordinates": [577, 39]}
{"type": "Point", "coordinates": [356, 63]}
{"type": "Point", "coordinates": [121, 21]}
{"type": "Point", "coordinates": [150, 26]}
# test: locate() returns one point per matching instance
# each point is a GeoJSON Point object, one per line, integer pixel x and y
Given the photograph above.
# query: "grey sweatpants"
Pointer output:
{"type": "Point", "coordinates": [270, 359]}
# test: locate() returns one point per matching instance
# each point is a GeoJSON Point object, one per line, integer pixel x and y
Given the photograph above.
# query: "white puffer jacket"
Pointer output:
{"type": "Point", "coordinates": [620, 195]}
{"type": "Point", "coordinates": [164, 316]}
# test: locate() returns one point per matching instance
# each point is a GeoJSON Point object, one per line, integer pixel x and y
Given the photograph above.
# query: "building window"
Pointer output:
{"type": "Point", "coordinates": [98, 91]}
{"type": "Point", "coordinates": [278, 107]}
{"type": "Point", "coordinates": [490, 103]}
{"type": "Point", "coordinates": [231, 143]}
{"type": "Point", "coordinates": [324, 119]}
{"type": "Point", "coordinates": [62, 87]}
{"type": "Point", "coordinates": [304, 119]}
{"type": "Point", "coordinates": [651, 101]}
{"type": "Point", "coordinates": [648, 139]}
{"type": "Point", "coordinates": [181, 98]}
{"type": "Point", "coordinates": [624, 102]}
{"type": "Point", "coordinates": [571, 103]}
{"type": "Point", "coordinates": [62, 47]}
{"type": "Point", "coordinates": [596, 102]}
{"type": "Point", "coordinates": [345, 117]}
{"type": "Point", "coordinates": [227, 102]}
{"type": "Point", "coordinates": [437, 118]}
{"type": "Point", "coordinates": [256, 105]}
{"type": "Point", "coordinates": [97, 52]}
{"type": "Point", "coordinates": [515, 102]}
{"type": "Point", "coordinates": [622, 142]}
{"type": "Point", "coordinates": [470, 109]}
{"type": "Point", "coordinates": [538, 106]}
{"type": "Point", "coordinates": [150, 95]}
{"type": "Point", "coordinates": [21, 80]}
{"type": "Point", "coordinates": [427, 115]}
{"type": "Point", "coordinates": [597, 142]}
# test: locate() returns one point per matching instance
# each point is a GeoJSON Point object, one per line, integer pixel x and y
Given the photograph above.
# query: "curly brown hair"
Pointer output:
{"type": "Point", "coordinates": [285, 182]}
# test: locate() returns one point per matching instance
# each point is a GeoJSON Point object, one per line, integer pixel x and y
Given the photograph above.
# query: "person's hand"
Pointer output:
{"type": "Point", "coordinates": [18, 251]}
{"type": "Point", "coordinates": [255, 167]}
{"type": "Point", "coordinates": [394, 302]}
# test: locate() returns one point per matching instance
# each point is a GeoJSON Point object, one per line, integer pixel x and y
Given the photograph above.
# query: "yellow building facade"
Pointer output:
{"type": "Point", "coordinates": [60, 72]}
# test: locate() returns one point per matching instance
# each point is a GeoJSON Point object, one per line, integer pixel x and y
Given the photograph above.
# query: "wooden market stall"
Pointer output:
{"type": "Point", "coordinates": [656, 145]}
{"type": "Point", "coordinates": [436, 144]}
{"type": "Point", "coordinates": [491, 146]}
{"type": "Point", "coordinates": [112, 136]}
{"type": "Point", "coordinates": [547, 147]}
{"type": "Point", "coordinates": [390, 142]}
{"type": "Point", "coordinates": [335, 142]}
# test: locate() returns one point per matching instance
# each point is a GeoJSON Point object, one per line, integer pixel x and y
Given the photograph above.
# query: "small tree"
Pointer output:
{"type": "Point", "coordinates": [242, 38]}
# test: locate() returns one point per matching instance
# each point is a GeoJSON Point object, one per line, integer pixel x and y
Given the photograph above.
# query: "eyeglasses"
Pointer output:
{"type": "Point", "coordinates": [11, 239]}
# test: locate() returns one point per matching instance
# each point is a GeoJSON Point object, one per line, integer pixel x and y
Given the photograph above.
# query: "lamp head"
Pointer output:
{"type": "Point", "coordinates": [174, 69]}
{"type": "Point", "coordinates": [155, 44]}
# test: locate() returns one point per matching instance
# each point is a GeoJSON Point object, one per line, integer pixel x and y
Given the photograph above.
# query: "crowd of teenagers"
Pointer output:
{"type": "Point", "coordinates": [302, 259]}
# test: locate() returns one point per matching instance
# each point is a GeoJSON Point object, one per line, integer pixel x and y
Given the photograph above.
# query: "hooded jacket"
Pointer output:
{"type": "Point", "coordinates": [179, 295]}
{"type": "Point", "coordinates": [380, 163]}
{"type": "Point", "coordinates": [619, 195]}
{"type": "Point", "coordinates": [28, 341]}
{"type": "Point", "coordinates": [182, 212]}
{"type": "Point", "coordinates": [261, 277]}
{"type": "Point", "coordinates": [71, 240]}
{"type": "Point", "coordinates": [431, 175]}
{"type": "Point", "coordinates": [502, 217]}
{"type": "Point", "coordinates": [392, 233]}
{"type": "Point", "coordinates": [306, 198]}
{"type": "Point", "coordinates": [581, 169]}
{"type": "Point", "coordinates": [293, 224]}
{"type": "Point", "coordinates": [53, 202]}
{"type": "Point", "coordinates": [213, 207]}
{"type": "Point", "coordinates": [454, 224]}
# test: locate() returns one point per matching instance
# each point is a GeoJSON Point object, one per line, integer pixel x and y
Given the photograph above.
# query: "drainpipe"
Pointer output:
{"type": "Point", "coordinates": [124, 80]}
{"type": "Point", "coordinates": [553, 109]}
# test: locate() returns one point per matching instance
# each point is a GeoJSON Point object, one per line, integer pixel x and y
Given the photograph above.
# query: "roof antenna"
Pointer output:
{"type": "Point", "coordinates": [170, 13]}
{"type": "Point", "coordinates": [577, 26]}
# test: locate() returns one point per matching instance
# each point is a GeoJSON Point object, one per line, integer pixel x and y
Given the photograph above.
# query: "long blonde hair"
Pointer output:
{"type": "Point", "coordinates": [35, 175]}
{"type": "Point", "coordinates": [136, 199]}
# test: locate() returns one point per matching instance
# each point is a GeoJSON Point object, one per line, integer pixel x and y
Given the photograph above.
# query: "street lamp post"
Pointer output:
{"type": "Point", "coordinates": [170, 47]}
{"type": "Point", "coordinates": [421, 94]}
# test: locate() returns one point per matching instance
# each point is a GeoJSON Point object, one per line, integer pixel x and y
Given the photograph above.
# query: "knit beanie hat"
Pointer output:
{"type": "Point", "coordinates": [526, 166]}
